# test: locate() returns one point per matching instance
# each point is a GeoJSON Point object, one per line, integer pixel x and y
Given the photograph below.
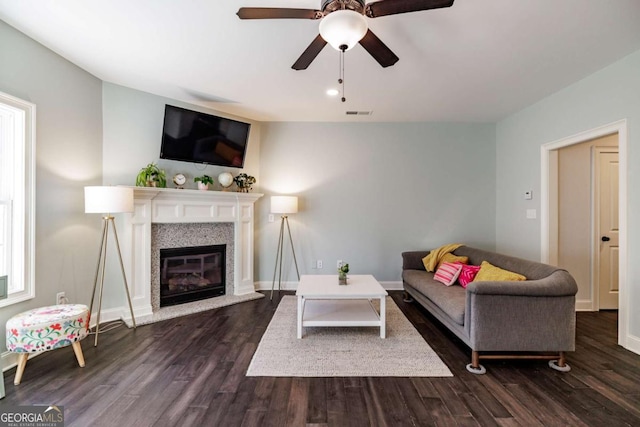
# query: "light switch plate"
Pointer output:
{"type": "Point", "coordinates": [528, 195]}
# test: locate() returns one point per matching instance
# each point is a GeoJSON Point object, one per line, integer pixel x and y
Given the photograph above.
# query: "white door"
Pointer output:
{"type": "Point", "coordinates": [607, 227]}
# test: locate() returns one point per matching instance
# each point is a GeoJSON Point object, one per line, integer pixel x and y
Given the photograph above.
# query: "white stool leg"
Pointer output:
{"type": "Point", "coordinates": [22, 362]}
{"type": "Point", "coordinates": [77, 349]}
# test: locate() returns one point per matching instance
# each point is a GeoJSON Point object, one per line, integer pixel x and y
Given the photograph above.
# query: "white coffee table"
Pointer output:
{"type": "Point", "coordinates": [323, 302]}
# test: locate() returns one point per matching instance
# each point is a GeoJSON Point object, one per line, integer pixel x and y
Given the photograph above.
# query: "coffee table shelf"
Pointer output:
{"type": "Point", "coordinates": [340, 313]}
{"type": "Point", "coordinates": [324, 303]}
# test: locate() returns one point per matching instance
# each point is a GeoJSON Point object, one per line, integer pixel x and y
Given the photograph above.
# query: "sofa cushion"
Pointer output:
{"type": "Point", "coordinates": [448, 273]}
{"type": "Point", "coordinates": [450, 299]}
{"type": "Point", "coordinates": [467, 274]}
{"type": "Point", "coordinates": [490, 273]}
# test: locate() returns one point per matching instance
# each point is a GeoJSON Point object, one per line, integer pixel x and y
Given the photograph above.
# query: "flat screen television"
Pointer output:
{"type": "Point", "coordinates": [191, 136]}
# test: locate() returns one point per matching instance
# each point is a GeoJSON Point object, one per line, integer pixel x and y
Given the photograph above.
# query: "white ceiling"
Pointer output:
{"type": "Point", "coordinates": [478, 61]}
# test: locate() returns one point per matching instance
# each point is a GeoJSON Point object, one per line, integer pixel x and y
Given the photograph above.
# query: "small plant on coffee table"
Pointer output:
{"type": "Point", "coordinates": [342, 273]}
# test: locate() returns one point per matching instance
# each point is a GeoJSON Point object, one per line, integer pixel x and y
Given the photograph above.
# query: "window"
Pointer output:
{"type": "Point", "coordinates": [17, 197]}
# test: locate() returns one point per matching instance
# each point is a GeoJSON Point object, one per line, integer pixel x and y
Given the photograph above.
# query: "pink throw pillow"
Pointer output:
{"type": "Point", "coordinates": [448, 272]}
{"type": "Point", "coordinates": [467, 274]}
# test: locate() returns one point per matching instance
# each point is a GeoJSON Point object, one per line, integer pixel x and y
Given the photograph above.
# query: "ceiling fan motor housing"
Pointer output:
{"type": "Point", "coordinates": [329, 6]}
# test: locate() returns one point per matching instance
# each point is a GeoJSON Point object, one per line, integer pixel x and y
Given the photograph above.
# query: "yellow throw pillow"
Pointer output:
{"type": "Point", "coordinates": [453, 259]}
{"type": "Point", "coordinates": [491, 273]}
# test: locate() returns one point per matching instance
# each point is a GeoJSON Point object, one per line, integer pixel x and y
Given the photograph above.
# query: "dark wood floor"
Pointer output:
{"type": "Point", "coordinates": [190, 371]}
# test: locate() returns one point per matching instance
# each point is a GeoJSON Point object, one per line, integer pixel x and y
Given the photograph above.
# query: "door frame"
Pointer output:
{"type": "Point", "coordinates": [548, 227]}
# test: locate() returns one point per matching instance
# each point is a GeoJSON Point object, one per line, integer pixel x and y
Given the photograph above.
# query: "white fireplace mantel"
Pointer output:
{"type": "Point", "coordinates": [164, 205]}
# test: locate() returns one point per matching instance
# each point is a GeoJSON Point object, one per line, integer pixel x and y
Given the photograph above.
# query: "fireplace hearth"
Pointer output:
{"type": "Point", "coordinates": [191, 274]}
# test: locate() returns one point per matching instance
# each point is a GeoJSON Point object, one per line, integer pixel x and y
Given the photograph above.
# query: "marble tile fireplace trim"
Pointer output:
{"type": "Point", "coordinates": [173, 206]}
{"type": "Point", "coordinates": [183, 235]}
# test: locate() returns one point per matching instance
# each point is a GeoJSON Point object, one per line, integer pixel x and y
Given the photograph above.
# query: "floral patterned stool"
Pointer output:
{"type": "Point", "coordinates": [44, 329]}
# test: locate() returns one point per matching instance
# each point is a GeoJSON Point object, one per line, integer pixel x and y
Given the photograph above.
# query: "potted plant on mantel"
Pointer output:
{"type": "Point", "coordinates": [203, 182]}
{"type": "Point", "coordinates": [151, 176]}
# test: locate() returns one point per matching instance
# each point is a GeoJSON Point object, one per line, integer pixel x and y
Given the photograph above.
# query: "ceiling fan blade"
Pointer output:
{"type": "Point", "coordinates": [380, 52]}
{"type": "Point", "coordinates": [393, 7]}
{"type": "Point", "coordinates": [277, 13]}
{"type": "Point", "coordinates": [310, 53]}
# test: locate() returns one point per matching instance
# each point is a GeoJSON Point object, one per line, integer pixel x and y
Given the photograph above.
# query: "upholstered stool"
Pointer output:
{"type": "Point", "coordinates": [47, 328]}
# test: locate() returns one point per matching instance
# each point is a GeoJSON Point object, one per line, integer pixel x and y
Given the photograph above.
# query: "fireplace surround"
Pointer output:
{"type": "Point", "coordinates": [185, 235]}
{"type": "Point", "coordinates": [164, 218]}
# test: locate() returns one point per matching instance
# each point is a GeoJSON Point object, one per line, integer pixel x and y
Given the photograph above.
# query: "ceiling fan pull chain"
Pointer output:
{"type": "Point", "coordinates": [341, 80]}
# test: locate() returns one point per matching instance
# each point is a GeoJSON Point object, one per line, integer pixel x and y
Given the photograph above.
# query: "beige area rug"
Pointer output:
{"type": "Point", "coordinates": [344, 352]}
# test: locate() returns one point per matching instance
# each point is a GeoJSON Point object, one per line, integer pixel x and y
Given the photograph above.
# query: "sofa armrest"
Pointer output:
{"type": "Point", "coordinates": [558, 284]}
{"type": "Point", "coordinates": [412, 260]}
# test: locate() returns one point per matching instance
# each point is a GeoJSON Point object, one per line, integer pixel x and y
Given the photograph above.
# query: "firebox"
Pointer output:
{"type": "Point", "coordinates": [191, 274]}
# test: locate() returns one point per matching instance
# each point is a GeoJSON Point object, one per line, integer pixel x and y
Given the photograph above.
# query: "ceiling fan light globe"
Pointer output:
{"type": "Point", "coordinates": [343, 27]}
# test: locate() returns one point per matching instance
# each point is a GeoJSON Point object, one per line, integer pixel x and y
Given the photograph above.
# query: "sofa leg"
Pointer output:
{"type": "Point", "coordinates": [406, 297]}
{"type": "Point", "coordinates": [560, 364]}
{"type": "Point", "coordinates": [475, 367]}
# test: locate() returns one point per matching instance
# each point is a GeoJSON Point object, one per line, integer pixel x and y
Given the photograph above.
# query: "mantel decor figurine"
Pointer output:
{"type": "Point", "coordinates": [244, 182]}
{"type": "Point", "coordinates": [225, 179]}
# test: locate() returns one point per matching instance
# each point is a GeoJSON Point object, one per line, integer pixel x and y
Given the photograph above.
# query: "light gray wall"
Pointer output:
{"type": "Point", "coordinates": [133, 133]}
{"type": "Point", "coordinates": [132, 122]}
{"type": "Point", "coordinates": [68, 156]}
{"type": "Point", "coordinates": [370, 191]}
{"type": "Point", "coordinates": [602, 98]}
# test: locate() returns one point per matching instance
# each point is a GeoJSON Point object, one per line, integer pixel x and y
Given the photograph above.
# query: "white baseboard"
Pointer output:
{"type": "Point", "coordinates": [392, 286]}
{"type": "Point", "coordinates": [584, 305]}
{"type": "Point", "coordinates": [292, 286]}
{"type": "Point", "coordinates": [9, 360]}
{"type": "Point", "coordinates": [633, 344]}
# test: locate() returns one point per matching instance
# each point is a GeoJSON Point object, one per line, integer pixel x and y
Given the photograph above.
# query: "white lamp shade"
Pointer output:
{"type": "Point", "coordinates": [284, 204]}
{"type": "Point", "coordinates": [343, 27]}
{"type": "Point", "coordinates": [102, 199]}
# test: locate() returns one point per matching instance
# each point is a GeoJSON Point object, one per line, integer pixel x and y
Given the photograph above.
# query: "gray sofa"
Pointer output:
{"type": "Point", "coordinates": [516, 319]}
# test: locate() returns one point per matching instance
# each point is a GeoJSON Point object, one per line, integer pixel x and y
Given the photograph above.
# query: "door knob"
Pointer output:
{"type": "Point", "coordinates": [605, 239]}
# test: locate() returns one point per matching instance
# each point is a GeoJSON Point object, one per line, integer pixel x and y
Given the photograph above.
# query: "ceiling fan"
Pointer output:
{"type": "Point", "coordinates": [343, 24]}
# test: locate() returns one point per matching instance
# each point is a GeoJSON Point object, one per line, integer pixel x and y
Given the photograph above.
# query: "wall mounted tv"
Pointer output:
{"type": "Point", "coordinates": [191, 136]}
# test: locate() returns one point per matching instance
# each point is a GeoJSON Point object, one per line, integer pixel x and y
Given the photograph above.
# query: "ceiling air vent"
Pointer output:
{"type": "Point", "coordinates": [359, 113]}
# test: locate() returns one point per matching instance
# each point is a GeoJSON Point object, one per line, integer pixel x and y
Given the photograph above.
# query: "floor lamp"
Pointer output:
{"type": "Point", "coordinates": [283, 205]}
{"type": "Point", "coordinates": [107, 201]}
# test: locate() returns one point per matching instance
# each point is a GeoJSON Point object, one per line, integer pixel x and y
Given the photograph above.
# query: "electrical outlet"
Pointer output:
{"type": "Point", "coordinates": [339, 263]}
{"type": "Point", "coordinates": [319, 263]}
{"type": "Point", "coordinates": [60, 298]}
{"type": "Point", "coordinates": [271, 218]}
